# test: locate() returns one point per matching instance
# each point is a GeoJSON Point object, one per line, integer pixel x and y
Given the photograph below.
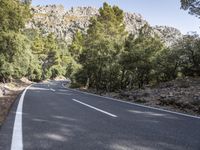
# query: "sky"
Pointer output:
{"type": "Point", "coordinates": [156, 12]}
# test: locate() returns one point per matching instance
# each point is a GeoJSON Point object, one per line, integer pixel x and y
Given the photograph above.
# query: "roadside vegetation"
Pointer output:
{"type": "Point", "coordinates": [111, 60]}
{"type": "Point", "coordinates": [105, 58]}
{"type": "Point", "coordinates": [28, 53]}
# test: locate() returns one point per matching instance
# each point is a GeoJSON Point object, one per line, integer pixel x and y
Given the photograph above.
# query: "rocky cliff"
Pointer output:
{"type": "Point", "coordinates": [64, 23]}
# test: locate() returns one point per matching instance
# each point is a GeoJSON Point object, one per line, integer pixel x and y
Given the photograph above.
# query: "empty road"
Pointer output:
{"type": "Point", "coordinates": [50, 117]}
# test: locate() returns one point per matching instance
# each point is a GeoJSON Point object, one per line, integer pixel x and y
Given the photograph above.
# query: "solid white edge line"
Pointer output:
{"type": "Point", "coordinates": [135, 104]}
{"type": "Point", "coordinates": [52, 90]}
{"type": "Point", "coordinates": [63, 90]}
{"type": "Point", "coordinates": [17, 139]}
{"type": "Point", "coordinates": [107, 113]}
{"type": "Point", "coordinates": [62, 93]}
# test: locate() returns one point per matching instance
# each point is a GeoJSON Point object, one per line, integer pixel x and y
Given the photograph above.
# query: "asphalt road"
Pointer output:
{"type": "Point", "coordinates": [56, 118]}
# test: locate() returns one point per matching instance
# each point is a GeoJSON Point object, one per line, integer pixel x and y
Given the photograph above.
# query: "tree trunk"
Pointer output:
{"type": "Point", "coordinates": [130, 82]}
{"type": "Point", "coordinates": [87, 83]}
{"type": "Point", "coordinates": [98, 80]}
{"type": "Point", "coordinates": [122, 78]}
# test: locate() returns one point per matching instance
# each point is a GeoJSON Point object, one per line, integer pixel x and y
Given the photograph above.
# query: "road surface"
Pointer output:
{"type": "Point", "coordinates": [50, 117]}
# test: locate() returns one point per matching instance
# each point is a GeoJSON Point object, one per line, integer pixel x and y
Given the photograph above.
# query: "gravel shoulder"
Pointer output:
{"type": "Point", "coordinates": [8, 95]}
{"type": "Point", "coordinates": [181, 95]}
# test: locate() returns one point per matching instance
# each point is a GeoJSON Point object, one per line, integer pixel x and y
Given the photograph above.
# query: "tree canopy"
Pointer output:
{"type": "Point", "coordinates": [26, 52]}
{"type": "Point", "coordinates": [105, 58]}
{"type": "Point", "coordinates": [13, 15]}
{"type": "Point", "coordinates": [193, 6]}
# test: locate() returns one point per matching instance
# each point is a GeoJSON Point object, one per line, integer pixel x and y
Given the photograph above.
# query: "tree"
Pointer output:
{"type": "Point", "coordinates": [35, 69]}
{"type": "Point", "coordinates": [26, 52]}
{"type": "Point", "coordinates": [13, 15]}
{"type": "Point", "coordinates": [102, 47]}
{"type": "Point", "coordinates": [28, 2]}
{"type": "Point", "coordinates": [15, 54]}
{"type": "Point", "coordinates": [189, 48]}
{"type": "Point", "coordinates": [192, 5]}
{"type": "Point", "coordinates": [38, 45]}
{"type": "Point", "coordinates": [68, 62]}
{"type": "Point", "coordinates": [51, 58]}
{"type": "Point", "coordinates": [139, 57]}
{"type": "Point", "coordinates": [167, 64]}
{"type": "Point", "coordinates": [77, 45]}
{"type": "Point", "coordinates": [183, 59]}
{"type": "Point", "coordinates": [15, 51]}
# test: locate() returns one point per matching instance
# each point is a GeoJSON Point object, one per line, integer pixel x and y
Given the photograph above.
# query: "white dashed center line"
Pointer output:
{"type": "Point", "coordinates": [102, 111]}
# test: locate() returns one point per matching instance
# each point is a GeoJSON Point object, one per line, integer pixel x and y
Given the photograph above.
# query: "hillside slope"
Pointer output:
{"type": "Point", "coordinates": [64, 23]}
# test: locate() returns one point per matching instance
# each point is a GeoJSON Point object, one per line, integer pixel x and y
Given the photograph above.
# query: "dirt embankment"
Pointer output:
{"type": "Point", "coordinates": [8, 94]}
{"type": "Point", "coordinates": [181, 95]}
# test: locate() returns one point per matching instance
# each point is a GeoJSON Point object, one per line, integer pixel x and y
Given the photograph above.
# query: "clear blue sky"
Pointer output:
{"type": "Point", "coordinates": [156, 12]}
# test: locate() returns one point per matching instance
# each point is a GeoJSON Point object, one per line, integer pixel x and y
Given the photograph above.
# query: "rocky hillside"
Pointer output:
{"type": "Point", "coordinates": [181, 95]}
{"type": "Point", "coordinates": [64, 23]}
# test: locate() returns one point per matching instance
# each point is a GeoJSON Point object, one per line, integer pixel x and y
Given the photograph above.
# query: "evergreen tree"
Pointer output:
{"type": "Point", "coordinates": [189, 49]}
{"type": "Point", "coordinates": [139, 56]}
{"type": "Point", "coordinates": [192, 5]}
{"type": "Point", "coordinates": [102, 47]}
{"type": "Point", "coordinates": [13, 15]}
{"type": "Point", "coordinates": [15, 54]}
{"type": "Point", "coordinates": [77, 45]}
{"type": "Point", "coordinates": [15, 49]}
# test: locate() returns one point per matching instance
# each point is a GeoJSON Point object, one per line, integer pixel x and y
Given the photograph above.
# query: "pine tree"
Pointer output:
{"type": "Point", "coordinates": [102, 47]}
{"type": "Point", "coordinates": [192, 5]}
{"type": "Point", "coordinates": [13, 15]}
{"type": "Point", "coordinates": [77, 45]}
{"type": "Point", "coordinates": [139, 57]}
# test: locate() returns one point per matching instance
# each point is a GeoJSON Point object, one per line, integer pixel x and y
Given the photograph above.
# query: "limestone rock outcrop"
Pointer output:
{"type": "Point", "coordinates": [64, 23]}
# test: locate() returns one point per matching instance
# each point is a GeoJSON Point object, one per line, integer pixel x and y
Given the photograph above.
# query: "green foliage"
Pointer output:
{"type": "Point", "coordinates": [102, 47]}
{"type": "Point", "coordinates": [104, 58]}
{"type": "Point", "coordinates": [15, 51]}
{"type": "Point", "coordinates": [28, 53]}
{"type": "Point", "coordinates": [192, 5]}
{"type": "Point", "coordinates": [183, 59]}
{"type": "Point", "coordinates": [15, 54]}
{"type": "Point", "coordinates": [52, 57]}
{"type": "Point", "coordinates": [13, 15]}
{"type": "Point", "coordinates": [167, 65]}
{"type": "Point", "coordinates": [35, 69]}
{"type": "Point", "coordinates": [189, 49]}
{"type": "Point", "coordinates": [28, 2]}
{"type": "Point", "coordinates": [111, 61]}
{"type": "Point", "coordinates": [77, 45]}
{"type": "Point", "coordinates": [139, 57]}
